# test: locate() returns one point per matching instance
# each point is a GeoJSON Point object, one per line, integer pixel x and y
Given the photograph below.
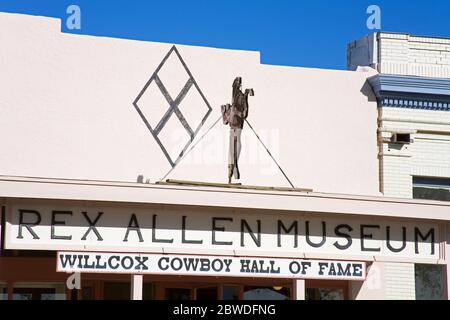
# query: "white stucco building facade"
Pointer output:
{"type": "Point", "coordinates": [94, 127]}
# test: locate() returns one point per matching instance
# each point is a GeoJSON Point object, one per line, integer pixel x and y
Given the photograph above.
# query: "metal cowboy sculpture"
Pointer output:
{"type": "Point", "coordinates": [235, 115]}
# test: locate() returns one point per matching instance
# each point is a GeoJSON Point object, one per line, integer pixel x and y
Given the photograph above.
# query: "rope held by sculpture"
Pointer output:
{"type": "Point", "coordinates": [257, 136]}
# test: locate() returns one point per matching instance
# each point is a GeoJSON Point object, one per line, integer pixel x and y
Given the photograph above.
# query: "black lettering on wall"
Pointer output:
{"type": "Point", "coordinates": [324, 235]}
{"type": "Point", "coordinates": [339, 233]}
{"type": "Point", "coordinates": [28, 225]}
{"type": "Point", "coordinates": [68, 259]}
{"type": "Point", "coordinates": [183, 233]}
{"type": "Point", "coordinates": [418, 234]}
{"type": "Point", "coordinates": [388, 240]}
{"type": "Point", "coordinates": [92, 226]}
{"type": "Point", "coordinates": [346, 272]}
{"type": "Point", "coordinates": [133, 225]}
{"type": "Point", "coordinates": [117, 258]}
{"type": "Point", "coordinates": [357, 269]}
{"type": "Point", "coordinates": [221, 229]}
{"type": "Point", "coordinates": [59, 223]}
{"type": "Point", "coordinates": [293, 226]}
{"type": "Point", "coordinates": [256, 239]}
{"type": "Point", "coordinates": [154, 228]}
{"type": "Point", "coordinates": [141, 263]}
{"type": "Point", "coordinates": [368, 236]}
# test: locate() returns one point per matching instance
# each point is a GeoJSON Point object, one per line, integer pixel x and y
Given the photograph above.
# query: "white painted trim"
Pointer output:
{"type": "Point", "coordinates": [137, 281]}
{"type": "Point", "coordinates": [299, 290]}
{"type": "Point", "coordinates": [397, 130]}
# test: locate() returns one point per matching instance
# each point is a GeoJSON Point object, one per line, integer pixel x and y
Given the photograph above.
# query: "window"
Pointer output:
{"type": "Point", "coordinates": [177, 294]}
{"type": "Point", "coordinates": [429, 279]}
{"type": "Point", "coordinates": [39, 291]}
{"type": "Point", "coordinates": [324, 294]}
{"type": "Point", "coordinates": [266, 293]}
{"type": "Point", "coordinates": [3, 291]}
{"type": "Point", "coordinates": [431, 188]}
{"type": "Point", "coordinates": [231, 292]}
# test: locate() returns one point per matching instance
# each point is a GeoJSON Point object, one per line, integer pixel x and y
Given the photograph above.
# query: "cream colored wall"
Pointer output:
{"type": "Point", "coordinates": [427, 156]}
{"type": "Point", "coordinates": [374, 287]}
{"type": "Point", "coordinates": [386, 281]}
{"type": "Point", "coordinates": [400, 281]}
{"type": "Point", "coordinates": [67, 112]}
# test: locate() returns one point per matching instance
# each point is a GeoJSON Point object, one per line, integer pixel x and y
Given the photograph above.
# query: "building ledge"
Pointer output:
{"type": "Point", "coordinates": [211, 196]}
{"type": "Point", "coordinates": [411, 91]}
{"type": "Point", "coordinates": [229, 185]}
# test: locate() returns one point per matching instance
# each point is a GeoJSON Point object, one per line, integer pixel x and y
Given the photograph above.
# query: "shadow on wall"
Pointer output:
{"type": "Point", "coordinates": [368, 92]}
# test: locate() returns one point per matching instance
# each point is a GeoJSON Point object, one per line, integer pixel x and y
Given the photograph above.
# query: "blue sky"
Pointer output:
{"type": "Point", "coordinates": [311, 33]}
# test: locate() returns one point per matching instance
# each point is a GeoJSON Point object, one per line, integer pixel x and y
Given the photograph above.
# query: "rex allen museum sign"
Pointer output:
{"type": "Point", "coordinates": [47, 226]}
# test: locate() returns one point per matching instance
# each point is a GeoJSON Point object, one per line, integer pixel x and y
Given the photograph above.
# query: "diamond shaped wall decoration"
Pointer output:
{"type": "Point", "coordinates": [172, 69]}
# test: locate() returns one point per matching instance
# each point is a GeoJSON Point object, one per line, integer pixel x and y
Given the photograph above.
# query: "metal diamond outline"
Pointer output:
{"type": "Point", "coordinates": [173, 106]}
